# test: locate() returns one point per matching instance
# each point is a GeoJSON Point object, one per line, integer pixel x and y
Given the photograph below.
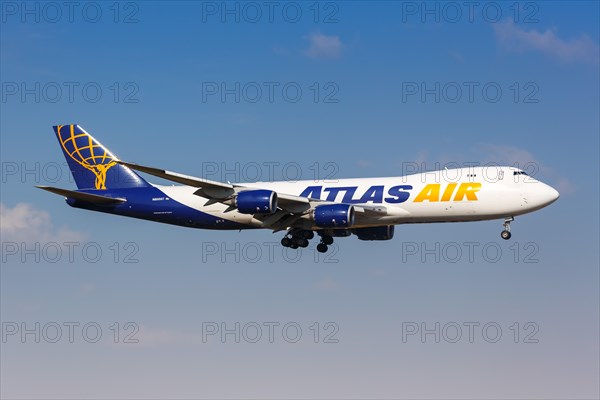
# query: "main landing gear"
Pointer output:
{"type": "Point", "coordinates": [326, 240]}
{"type": "Point", "coordinates": [300, 237]}
{"type": "Point", "coordinates": [505, 234]}
{"type": "Point", "coordinates": [297, 238]}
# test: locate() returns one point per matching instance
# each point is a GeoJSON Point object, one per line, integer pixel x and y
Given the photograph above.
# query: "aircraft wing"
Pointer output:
{"type": "Point", "coordinates": [219, 190]}
{"type": "Point", "coordinates": [207, 188]}
{"type": "Point", "coordinates": [291, 206]}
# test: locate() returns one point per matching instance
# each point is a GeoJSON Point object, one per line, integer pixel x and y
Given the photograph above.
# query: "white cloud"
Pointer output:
{"type": "Point", "coordinates": [563, 185]}
{"type": "Point", "coordinates": [323, 46]}
{"type": "Point", "coordinates": [86, 289]}
{"type": "Point", "coordinates": [25, 223]}
{"type": "Point", "coordinates": [521, 158]}
{"type": "Point", "coordinates": [456, 56]}
{"type": "Point", "coordinates": [326, 285]}
{"type": "Point", "coordinates": [363, 163]}
{"type": "Point", "coordinates": [506, 155]}
{"type": "Point", "coordinates": [514, 38]}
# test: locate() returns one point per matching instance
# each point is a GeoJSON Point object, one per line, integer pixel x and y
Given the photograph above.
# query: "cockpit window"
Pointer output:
{"type": "Point", "coordinates": [519, 173]}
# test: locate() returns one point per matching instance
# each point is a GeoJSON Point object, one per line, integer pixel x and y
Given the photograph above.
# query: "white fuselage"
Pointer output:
{"type": "Point", "coordinates": [464, 194]}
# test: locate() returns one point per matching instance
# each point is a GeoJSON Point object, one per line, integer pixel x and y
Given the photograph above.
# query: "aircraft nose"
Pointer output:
{"type": "Point", "coordinates": [540, 195]}
{"type": "Point", "coordinates": [552, 194]}
{"type": "Point", "coordinates": [545, 194]}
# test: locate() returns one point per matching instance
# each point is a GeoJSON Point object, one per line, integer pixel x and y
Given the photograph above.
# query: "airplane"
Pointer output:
{"type": "Point", "coordinates": [368, 208]}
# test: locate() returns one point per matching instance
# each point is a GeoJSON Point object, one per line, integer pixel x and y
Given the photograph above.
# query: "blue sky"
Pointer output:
{"type": "Point", "coordinates": [357, 67]}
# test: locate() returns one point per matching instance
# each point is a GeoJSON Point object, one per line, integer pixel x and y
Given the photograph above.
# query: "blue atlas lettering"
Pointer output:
{"type": "Point", "coordinates": [374, 194]}
{"type": "Point", "coordinates": [399, 193]}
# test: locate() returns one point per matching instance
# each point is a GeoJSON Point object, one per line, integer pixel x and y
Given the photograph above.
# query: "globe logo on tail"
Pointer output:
{"type": "Point", "coordinates": [88, 153]}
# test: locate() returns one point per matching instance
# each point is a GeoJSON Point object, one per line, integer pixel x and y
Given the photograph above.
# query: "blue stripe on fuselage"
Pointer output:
{"type": "Point", "coordinates": [142, 204]}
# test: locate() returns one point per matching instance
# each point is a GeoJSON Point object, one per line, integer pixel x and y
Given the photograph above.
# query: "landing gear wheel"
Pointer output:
{"type": "Point", "coordinates": [308, 234]}
{"type": "Point", "coordinates": [327, 240]}
{"type": "Point", "coordinates": [286, 242]}
{"type": "Point", "coordinates": [299, 241]}
{"type": "Point", "coordinates": [322, 248]}
{"type": "Point", "coordinates": [293, 246]}
{"type": "Point", "coordinates": [505, 234]}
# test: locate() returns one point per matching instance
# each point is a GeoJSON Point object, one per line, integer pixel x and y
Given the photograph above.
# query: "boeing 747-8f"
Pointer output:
{"type": "Point", "coordinates": [368, 207]}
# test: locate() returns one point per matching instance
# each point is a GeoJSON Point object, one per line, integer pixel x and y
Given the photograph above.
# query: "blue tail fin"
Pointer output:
{"type": "Point", "coordinates": [93, 166]}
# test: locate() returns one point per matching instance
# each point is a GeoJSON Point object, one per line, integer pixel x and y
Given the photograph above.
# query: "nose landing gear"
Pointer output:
{"type": "Point", "coordinates": [505, 234]}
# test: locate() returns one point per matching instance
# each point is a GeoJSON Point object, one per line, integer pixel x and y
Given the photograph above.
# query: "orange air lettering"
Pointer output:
{"type": "Point", "coordinates": [448, 192]}
{"type": "Point", "coordinates": [430, 192]}
{"type": "Point", "coordinates": [467, 190]}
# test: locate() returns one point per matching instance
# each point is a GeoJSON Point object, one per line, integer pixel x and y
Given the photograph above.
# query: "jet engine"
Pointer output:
{"type": "Point", "coordinates": [256, 202]}
{"type": "Point", "coordinates": [375, 233]}
{"type": "Point", "coordinates": [334, 216]}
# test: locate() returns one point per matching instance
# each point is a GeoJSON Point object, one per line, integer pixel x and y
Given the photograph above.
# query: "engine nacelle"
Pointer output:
{"type": "Point", "coordinates": [256, 202]}
{"type": "Point", "coordinates": [334, 216]}
{"type": "Point", "coordinates": [375, 233]}
{"type": "Point", "coordinates": [340, 232]}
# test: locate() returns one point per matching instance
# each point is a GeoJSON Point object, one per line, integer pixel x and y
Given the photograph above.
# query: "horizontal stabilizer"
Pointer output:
{"type": "Point", "coordinates": [88, 197]}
